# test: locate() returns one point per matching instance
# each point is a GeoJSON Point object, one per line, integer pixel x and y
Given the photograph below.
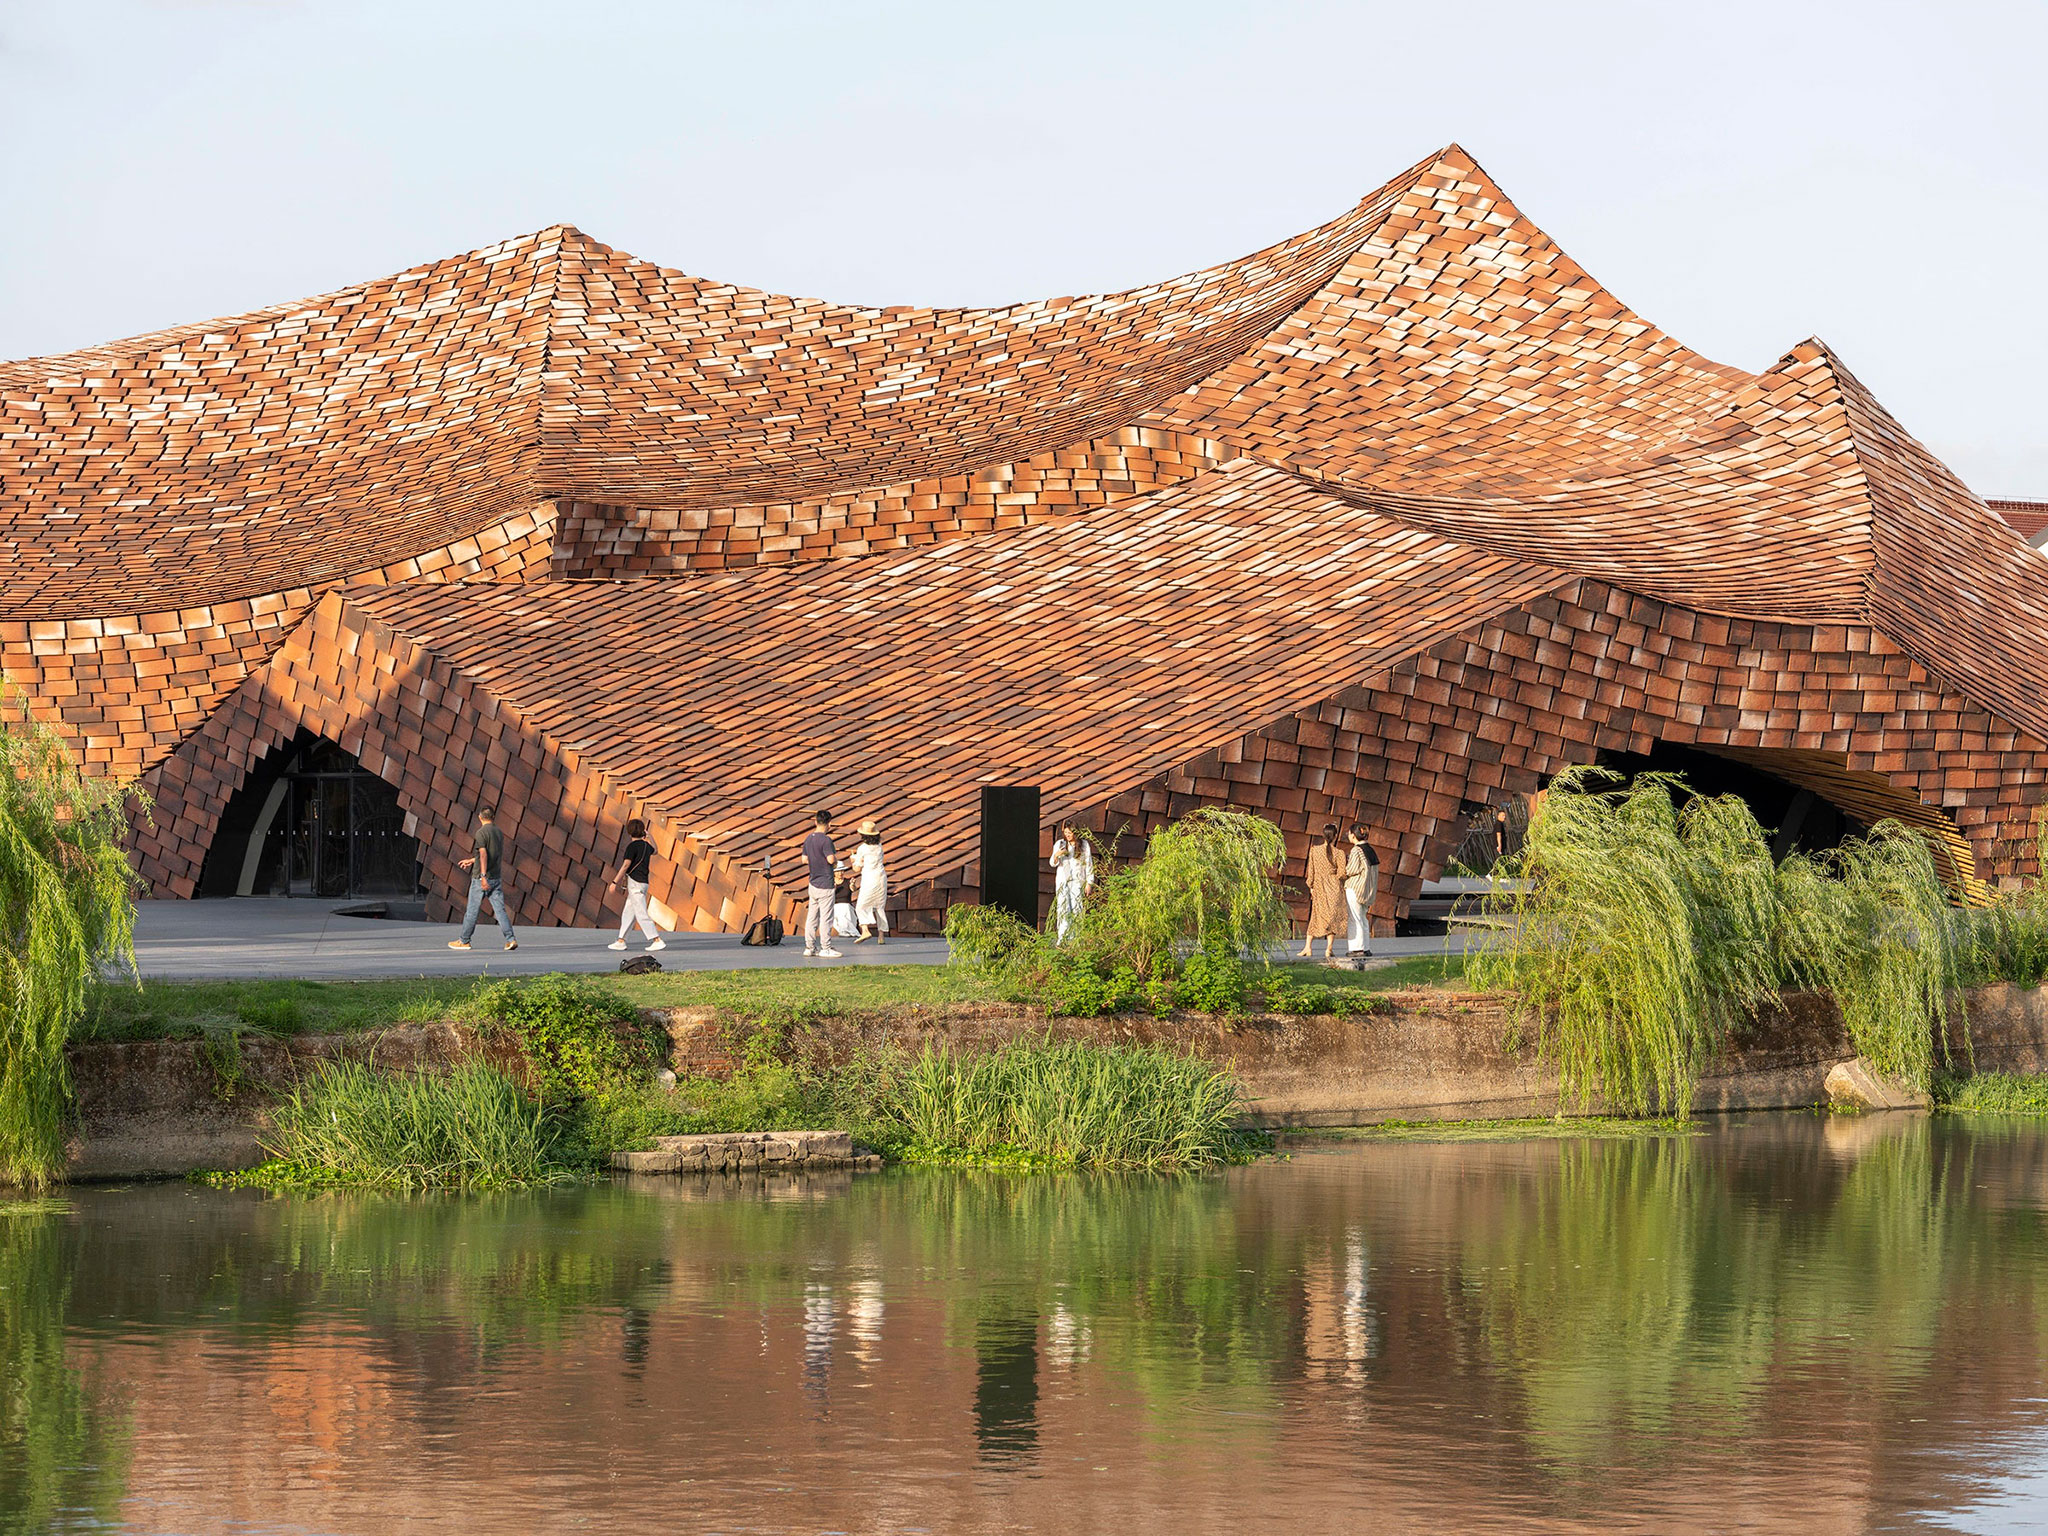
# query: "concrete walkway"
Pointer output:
{"type": "Point", "coordinates": [277, 936]}
{"type": "Point", "coordinates": [260, 936]}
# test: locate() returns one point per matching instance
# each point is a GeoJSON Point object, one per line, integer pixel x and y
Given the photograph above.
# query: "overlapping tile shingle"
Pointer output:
{"type": "Point", "coordinates": [1119, 546]}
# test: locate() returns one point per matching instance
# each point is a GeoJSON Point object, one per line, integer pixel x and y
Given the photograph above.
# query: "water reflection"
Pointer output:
{"type": "Point", "coordinates": [1786, 1319]}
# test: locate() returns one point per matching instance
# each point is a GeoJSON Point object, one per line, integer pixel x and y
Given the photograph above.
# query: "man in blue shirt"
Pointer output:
{"type": "Point", "coordinates": [819, 856]}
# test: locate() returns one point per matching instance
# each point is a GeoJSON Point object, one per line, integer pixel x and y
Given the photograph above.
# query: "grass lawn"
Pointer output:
{"type": "Point", "coordinates": [161, 1009]}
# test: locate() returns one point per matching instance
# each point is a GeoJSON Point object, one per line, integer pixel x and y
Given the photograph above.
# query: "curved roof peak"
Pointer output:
{"type": "Point", "coordinates": [349, 430]}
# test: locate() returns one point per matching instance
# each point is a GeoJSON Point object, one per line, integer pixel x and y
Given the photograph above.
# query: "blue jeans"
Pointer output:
{"type": "Point", "coordinates": [476, 906]}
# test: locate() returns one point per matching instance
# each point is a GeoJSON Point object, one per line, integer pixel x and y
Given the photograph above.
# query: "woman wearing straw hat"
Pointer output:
{"type": "Point", "coordinates": [871, 894]}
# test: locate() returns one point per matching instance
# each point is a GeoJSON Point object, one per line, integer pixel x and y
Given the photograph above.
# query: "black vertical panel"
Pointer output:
{"type": "Point", "coordinates": [1009, 849]}
{"type": "Point", "coordinates": [1006, 1387]}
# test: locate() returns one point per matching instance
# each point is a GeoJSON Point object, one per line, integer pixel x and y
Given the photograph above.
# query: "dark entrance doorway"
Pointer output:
{"type": "Point", "coordinates": [1797, 819]}
{"type": "Point", "coordinates": [312, 821]}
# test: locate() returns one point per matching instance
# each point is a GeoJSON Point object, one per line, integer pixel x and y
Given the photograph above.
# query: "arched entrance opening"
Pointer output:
{"type": "Point", "coordinates": [310, 820]}
{"type": "Point", "coordinates": [1810, 801]}
{"type": "Point", "coordinates": [1798, 818]}
{"type": "Point", "coordinates": [1807, 801]}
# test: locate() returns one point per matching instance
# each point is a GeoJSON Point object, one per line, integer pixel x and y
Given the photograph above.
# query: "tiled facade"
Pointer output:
{"type": "Point", "coordinates": [1391, 518]}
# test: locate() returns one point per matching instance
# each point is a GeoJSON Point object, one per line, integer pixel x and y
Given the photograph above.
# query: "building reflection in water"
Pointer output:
{"type": "Point", "coordinates": [864, 1319]}
{"type": "Point", "coordinates": [821, 1321]}
{"type": "Point", "coordinates": [1006, 1387]}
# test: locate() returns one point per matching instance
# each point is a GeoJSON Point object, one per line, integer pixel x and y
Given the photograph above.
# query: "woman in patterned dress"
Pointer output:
{"type": "Point", "coordinates": [1325, 894]}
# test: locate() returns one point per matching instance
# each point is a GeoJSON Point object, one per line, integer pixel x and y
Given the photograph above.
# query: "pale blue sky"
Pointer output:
{"type": "Point", "coordinates": [1744, 174]}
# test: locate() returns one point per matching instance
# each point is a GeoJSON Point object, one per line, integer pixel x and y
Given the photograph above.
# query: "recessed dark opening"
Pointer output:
{"type": "Point", "coordinates": [309, 820]}
{"type": "Point", "coordinates": [1798, 820]}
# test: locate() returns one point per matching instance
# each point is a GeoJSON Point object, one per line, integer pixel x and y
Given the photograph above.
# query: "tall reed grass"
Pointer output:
{"type": "Point", "coordinates": [470, 1128]}
{"type": "Point", "coordinates": [1069, 1104]}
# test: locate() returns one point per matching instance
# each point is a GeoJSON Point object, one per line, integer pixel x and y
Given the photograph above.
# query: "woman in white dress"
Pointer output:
{"type": "Point", "coordinates": [1361, 886]}
{"type": "Point", "coordinates": [870, 886]}
{"type": "Point", "coordinates": [1073, 871]}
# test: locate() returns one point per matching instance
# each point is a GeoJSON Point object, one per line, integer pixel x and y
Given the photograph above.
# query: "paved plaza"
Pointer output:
{"type": "Point", "coordinates": [263, 936]}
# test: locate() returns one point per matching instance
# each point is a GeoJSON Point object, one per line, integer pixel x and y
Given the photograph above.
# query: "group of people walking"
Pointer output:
{"type": "Point", "coordinates": [849, 897]}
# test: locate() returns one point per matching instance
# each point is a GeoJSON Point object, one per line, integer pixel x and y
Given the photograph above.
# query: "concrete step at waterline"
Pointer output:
{"type": "Point", "coordinates": [727, 1150]}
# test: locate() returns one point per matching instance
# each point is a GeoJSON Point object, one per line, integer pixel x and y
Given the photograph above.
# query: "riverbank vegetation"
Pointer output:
{"type": "Point", "coordinates": [66, 909]}
{"type": "Point", "coordinates": [160, 1010]}
{"type": "Point", "coordinates": [472, 1127]}
{"type": "Point", "coordinates": [1653, 924]}
{"type": "Point", "coordinates": [568, 1077]}
{"type": "Point", "coordinates": [1993, 1093]}
{"type": "Point", "coordinates": [1171, 932]}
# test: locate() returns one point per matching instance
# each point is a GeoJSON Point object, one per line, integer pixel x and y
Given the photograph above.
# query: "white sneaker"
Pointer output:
{"type": "Point", "coordinates": [828, 954]}
{"type": "Point", "coordinates": [808, 953]}
{"type": "Point", "coordinates": [616, 944]}
{"type": "Point", "coordinates": [659, 944]}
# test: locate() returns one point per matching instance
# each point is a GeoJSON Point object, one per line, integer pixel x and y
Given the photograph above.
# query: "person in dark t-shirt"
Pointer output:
{"type": "Point", "coordinates": [487, 878]}
{"type": "Point", "coordinates": [634, 863]}
{"type": "Point", "coordinates": [819, 856]}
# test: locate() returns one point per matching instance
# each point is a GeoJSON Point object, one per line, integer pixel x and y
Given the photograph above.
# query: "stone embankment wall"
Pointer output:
{"type": "Point", "coordinates": [1432, 1056]}
{"type": "Point", "coordinates": [167, 1107]}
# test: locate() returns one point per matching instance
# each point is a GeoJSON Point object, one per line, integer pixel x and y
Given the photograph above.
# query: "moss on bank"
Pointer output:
{"type": "Point", "coordinates": [1555, 1128]}
{"type": "Point", "coordinates": [1994, 1093]}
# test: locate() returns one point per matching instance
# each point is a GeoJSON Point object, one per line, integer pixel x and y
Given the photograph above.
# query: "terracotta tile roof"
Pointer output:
{"type": "Point", "coordinates": [1097, 544]}
{"type": "Point", "coordinates": [309, 441]}
{"type": "Point", "coordinates": [1083, 657]}
{"type": "Point", "coordinates": [2030, 518]}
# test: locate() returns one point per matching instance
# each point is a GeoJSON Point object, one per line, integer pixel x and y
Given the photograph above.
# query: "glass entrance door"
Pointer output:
{"type": "Point", "coordinates": [346, 837]}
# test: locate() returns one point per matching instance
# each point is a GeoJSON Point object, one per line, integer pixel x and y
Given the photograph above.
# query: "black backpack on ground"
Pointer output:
{"type": "Point", "coordinates": [639, 965]}
{"type": "Point", "coordinates": [767, 930]}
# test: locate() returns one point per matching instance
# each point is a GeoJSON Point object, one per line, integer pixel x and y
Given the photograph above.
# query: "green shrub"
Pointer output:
{"type": "Point", "coordinates": [988, 937]}
{"type": "Point", "coordinates": [1643, 936]}
{"type": "Point", "coordinates": [1285, 996]}
{"type": "Point", "coordinates": [577, 1040]}
{"type": "Point", "coordinates": [1069, 1105]}
{"type": "Point", "coordinates": [1209, 879]}
{"type": "Point", "coordinates": [1870, 923]}
{"type": "Point", "coordinates": [2007, 941]}
{"type": "Point", "coordinates": [1648, 931]}
{"type": "Point", "coordinates": [471, 1128]}
{"type": "Point", "coordinates": [1213, 980]}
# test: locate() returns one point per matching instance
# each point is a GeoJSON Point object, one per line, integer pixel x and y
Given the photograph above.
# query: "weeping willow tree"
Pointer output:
{"type": "Point", "coordinates": [1211, 877]}
{"type": "Point", "coordinates": [67, 906]}
{"type": "Point", "coordinates": [1643, 935]}
{"type": "Point", "coordinates": [1870, 922]}
{"type": "Point", "coordinates": [1654, 921]}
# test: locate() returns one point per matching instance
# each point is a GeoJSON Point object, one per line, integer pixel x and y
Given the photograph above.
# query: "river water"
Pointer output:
{"type": "Point", "coordinates": [1785, 1322]}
